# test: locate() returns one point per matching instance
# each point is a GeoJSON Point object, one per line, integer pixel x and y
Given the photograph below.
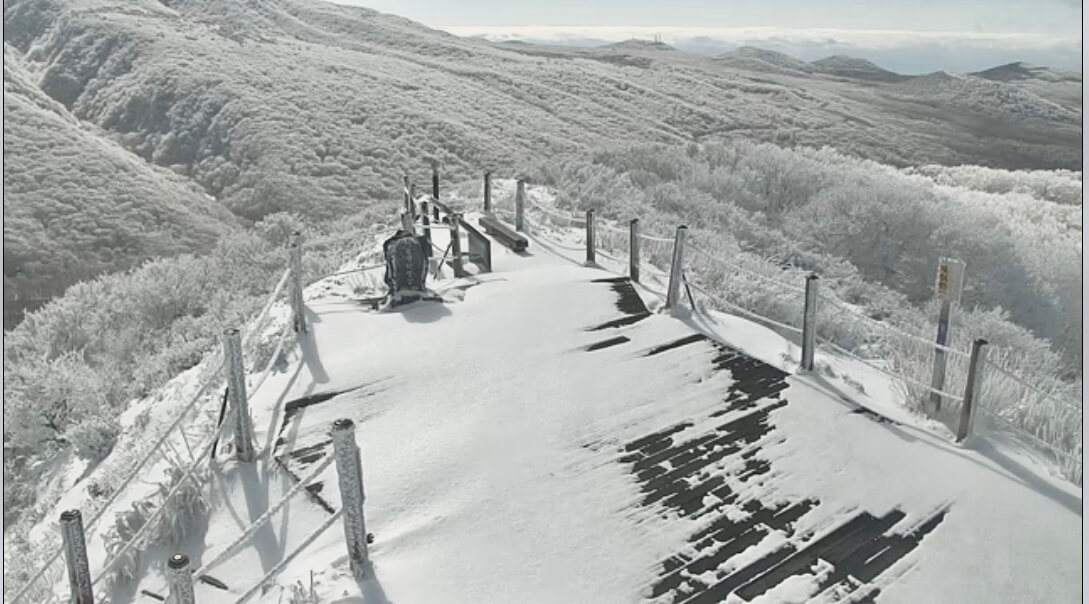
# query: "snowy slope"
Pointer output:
{"type": "Point", "coordinates": [520, 444]}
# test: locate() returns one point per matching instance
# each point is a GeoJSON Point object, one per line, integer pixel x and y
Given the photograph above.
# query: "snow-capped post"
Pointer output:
{"type": "Point", "coordinates": [633, 250]}
{"type": "Point", "coordinates": [520, 206]}
{"type": "Point", "coordinates": [350, 479]}
{"type": "Point", "coordinates": [408, 196]}
{"type": "Point", "coordinates": [591, 254]}
{"type": "Point", "coordinates": [75, 555]}
{"type": "Point", "coordinates": [950, 282]}
{"type": "Point", "coordinates": [298, 309]}
{"type": "Point", "coordinates": [971, 390]}
{"type": "Point", "coordinates": [487, 192]}
{"type": "Point", "coordinates": [673, 294]}
{"type": "Point", "coordinates": [179, 577]}
{"type": "Point", "coordinates": [236, 390]}
{"type": "Point", "coordinates": [456, 260]}
{"type": "Point", "coordinates": [809, 323]}
{"type": "Point", "coordinates": [425, 218]}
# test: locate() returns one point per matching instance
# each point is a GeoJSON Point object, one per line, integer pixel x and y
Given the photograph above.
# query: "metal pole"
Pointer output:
{"type": "Point", "coordinates": [633, 249]}
{"type": "Point", "coordinates": [179, 578]}
{"type": "Point", "coordinates": [520, 206]}
{"type": "Point", "coordinates": [75, 555]}
{"type": "Point", "coordinates": [455, 243]}
{"type": "Point", "coordinates": [809, 323]}
{"type": "Point", "coordinates": [297, 306]}
{"type": "Point", "coordinates": [591, 256]}
{"type": "Point", "coordinates": [350, 479]}
{"type": "Point", "coordinates": [426, 219]}
{"type": "Point", "coordinates": [236, 390]}
{"type": "Point", "coordinates": [488, 192]}
{"type": "Point", "coordinates": [971, 390]}
{"type": "Point", "coordinates": [674, 291]}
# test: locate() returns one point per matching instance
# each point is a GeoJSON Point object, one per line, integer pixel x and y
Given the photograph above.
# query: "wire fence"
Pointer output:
{"type": "Point", "coordinates": [764, 292]}
{"type": "Point", "coordinates": [174, 435]}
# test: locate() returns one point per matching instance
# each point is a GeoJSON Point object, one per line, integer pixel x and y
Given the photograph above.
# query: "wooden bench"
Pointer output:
{"type": "Point", "coordinates": [504, 234]}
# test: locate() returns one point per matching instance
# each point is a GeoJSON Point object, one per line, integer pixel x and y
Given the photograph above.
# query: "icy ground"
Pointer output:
{"type": "Point", "coordinates": [513, 454]}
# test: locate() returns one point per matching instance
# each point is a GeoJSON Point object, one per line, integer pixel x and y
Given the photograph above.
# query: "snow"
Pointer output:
{"type": "Point", "coordinates": [490, 442]}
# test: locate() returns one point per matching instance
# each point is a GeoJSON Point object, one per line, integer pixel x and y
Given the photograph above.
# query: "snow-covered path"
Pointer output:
{"type": "Point", "coordinates": [514, 453]}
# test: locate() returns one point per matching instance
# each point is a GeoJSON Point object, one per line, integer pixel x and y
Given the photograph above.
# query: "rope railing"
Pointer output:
{"type": "Point", "coordinates": [1037, 391]}
{"type": "Point", "coordinates": [870, 321]}
{"type": "Point", "coordinates": [744, 311]}
{"type": "Point", "coordinates": [843, 351]}
{"type": "Point", "coordinates": [1039, 441]}
{"type": "Point", "coordinates": [252, 529]}
{"type": "Point", "coordinates": [150, 523]}
{"type": "Point", "coordinates": [209, 382]}
{"type": "Point", "coordinates": [741, 269]}
{"type": "Point", "coordinates": [287, 560]}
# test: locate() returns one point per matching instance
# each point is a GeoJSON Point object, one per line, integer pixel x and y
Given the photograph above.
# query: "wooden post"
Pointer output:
{"type": "Point", "coordinates": [633, 250]}
{"type": "Point", "coordinates": [675, 269]}
{"type": "Point", "coordinates": [949, 285]}
{"type": "Point", "coordinates": [487, 192]}
{"type": "Point", "coordinates": [457, 262]}
{"type": "Point", "coordinates": [435, 180]}
{"type": "Point", "coordinates": [236, 391]}
{"type": "Point", "coordinates": [179, 577]}
{"type": "Point", "coordinates": [520, 206]}
{"type": "Point", "coordinates": [809, 323]}
{"type": "Point", "coordinates": [75, 555]}
{"type": "Point", "coordinates": [408, 196]}
{"type": "Point", "coordinates": [297, 306]}
{"type": "Point", "coordinates": [350, 480]}
{"type": "Point", "coordinates": [426, 219]}
{"type": "Point", "coordinates": [407, 224]}
{"type": "Point", "coordinates": [971, 390]}
{"type": "Point", "coordinates": [591, 253]}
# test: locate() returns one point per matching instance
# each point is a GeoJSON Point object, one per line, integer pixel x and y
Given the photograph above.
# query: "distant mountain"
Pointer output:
{"type": "Point", "coordinates": [318, 109]}
{"type": "Point", "coordinates": [851, 67]}
{"type": "Point", "coordinates": [635, 44]}
{"type": "Point", "coordinates": [1012, 72]}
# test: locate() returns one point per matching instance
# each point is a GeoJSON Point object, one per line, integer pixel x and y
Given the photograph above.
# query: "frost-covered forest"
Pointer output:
{"type": "Point", "coordinates": [138, 133]}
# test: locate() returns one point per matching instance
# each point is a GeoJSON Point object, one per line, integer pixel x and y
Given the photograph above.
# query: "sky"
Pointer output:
{"type": "Point", "coordinates": [910, 36]}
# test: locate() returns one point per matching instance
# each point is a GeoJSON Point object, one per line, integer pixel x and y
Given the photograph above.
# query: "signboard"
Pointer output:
{"type": "Point", "coordinates": [950, 283]}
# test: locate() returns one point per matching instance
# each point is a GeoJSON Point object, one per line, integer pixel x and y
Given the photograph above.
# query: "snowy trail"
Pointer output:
{"type": "Point", "coordinates": [544, 438]}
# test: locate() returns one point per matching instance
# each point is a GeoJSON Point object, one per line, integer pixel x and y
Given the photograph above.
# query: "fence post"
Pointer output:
{"type": "Point", "coordinates": [236, 390]}
{"type": "Point", "coordinates": [350, 479]}
{"type": "Point", "coordinates": [520, 206]}
{"type": "Point", "coordinates": [591, 252]}
{"type": "Point", "coordinates": [673, 294]}
{"type": "Point", "coordinates": [971, 390]}
{"type": "Point", "coordinates": [488, 192]}
{"type": "Point", "coordinates": [633, 249]}
{"type": "Point", "coordinates": [949, 284]}
{"type": "Point", "coordinates": [809, 323]}
{"type": "Point", "coordinates": [455, 245]}
{"type": "Point", "coordinates": [435, 180]}
{"type": "Point", "coordinates": [295, 260]}
{"type": "Point", "coordinates": [408, 196]}
{"type": "Point", "coordinates": [179, 577]}
{"type": "Point", "coordinates": [75, 555]}
{"type": "Point", "coordinates": [426, 219]}
{"type": "Point", "coordinates": [407, 224]}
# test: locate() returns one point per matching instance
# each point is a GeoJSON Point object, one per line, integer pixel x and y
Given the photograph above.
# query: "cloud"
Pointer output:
{"type": "Point", "coordinates": [900, 50]}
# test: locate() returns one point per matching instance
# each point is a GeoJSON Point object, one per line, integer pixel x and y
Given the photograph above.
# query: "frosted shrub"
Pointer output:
{"type": "Point", "coordinates": [93, 439]}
